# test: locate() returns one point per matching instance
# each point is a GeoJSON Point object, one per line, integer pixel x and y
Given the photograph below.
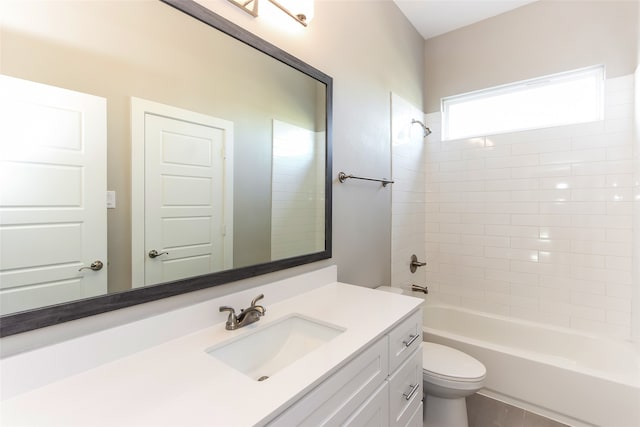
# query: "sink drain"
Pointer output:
{"type": "Point", "coordinates": [264, 377]}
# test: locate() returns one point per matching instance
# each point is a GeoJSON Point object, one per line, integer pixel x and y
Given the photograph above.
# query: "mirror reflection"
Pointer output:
{"type": "Point", "coordinates": [139, 139]}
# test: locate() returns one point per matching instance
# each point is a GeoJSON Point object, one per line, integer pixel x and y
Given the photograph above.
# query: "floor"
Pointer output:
{"type": "Point", "coordinates": [486, 412]}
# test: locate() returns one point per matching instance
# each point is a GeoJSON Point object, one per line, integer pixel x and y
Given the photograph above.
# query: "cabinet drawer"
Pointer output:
{"type": "Point", "coordinates": [405, 389]}
{"type": "Point", "coordinates": [374, 412]}
{"type": "Point", "coordinates": [404, 339]}
{"type": "Point", "coordinates": [333, 401]}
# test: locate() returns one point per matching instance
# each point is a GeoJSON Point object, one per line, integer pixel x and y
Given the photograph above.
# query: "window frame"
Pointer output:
{"type": "Point", "coordinates": [597, 71]}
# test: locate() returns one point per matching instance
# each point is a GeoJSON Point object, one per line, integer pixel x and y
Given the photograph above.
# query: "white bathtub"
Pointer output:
{"type": "Point", "coordinates": [574, 378]}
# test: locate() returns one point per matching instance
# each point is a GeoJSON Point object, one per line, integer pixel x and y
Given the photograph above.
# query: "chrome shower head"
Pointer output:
{"type": "Point", "coordinates": [425, 129]}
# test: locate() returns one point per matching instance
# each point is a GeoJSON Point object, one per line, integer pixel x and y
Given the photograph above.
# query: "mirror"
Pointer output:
{"type": "Point", "coordinates": [245, 143]}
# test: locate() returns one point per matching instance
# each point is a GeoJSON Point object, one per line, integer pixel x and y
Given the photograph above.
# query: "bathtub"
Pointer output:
{"type": "Point", "coordinates": [574, 378]}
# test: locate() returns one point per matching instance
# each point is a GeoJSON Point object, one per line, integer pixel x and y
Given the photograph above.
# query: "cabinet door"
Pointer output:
{"type": "Point", "coordinates": [405, 390]}
{"type": "Point", "coordinates": [334, 400]}
{"type": "Point", "coordinates": [374, 412]}
{"type": "Point", "coordinates": [416, 418]}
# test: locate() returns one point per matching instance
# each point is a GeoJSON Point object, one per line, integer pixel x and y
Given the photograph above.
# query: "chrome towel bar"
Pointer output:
{"type": "Point", "coordinates": [342, 177]}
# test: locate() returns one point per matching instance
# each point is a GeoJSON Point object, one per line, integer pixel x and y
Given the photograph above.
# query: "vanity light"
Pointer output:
{"type": "Point", "coordinates": [300, 10]}
{"type": "Point", "coordinates": [249, 6]}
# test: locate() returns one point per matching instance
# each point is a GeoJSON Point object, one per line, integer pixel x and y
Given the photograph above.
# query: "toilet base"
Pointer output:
{"type": "Point", "coordinates": [440, 412]}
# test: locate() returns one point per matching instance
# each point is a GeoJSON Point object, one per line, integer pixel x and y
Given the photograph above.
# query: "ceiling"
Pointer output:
{"type": "Point", "coordinates": [434, 17]}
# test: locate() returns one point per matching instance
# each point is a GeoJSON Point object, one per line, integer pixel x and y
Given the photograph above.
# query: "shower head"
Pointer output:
{"type": "Point", "coordinates": [425, 129]}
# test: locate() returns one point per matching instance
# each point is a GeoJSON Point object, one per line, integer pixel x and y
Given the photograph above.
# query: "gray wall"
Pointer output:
{"type": "Point", "coordinates": [370, 50]}
{"type": "Point", "coordinates": [540, 38]}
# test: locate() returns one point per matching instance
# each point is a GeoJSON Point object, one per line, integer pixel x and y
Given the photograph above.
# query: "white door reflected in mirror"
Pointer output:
{"type": "Point", "coordinates": [53, 218]}
{"type": "Point", "coordinates": [184, 215]}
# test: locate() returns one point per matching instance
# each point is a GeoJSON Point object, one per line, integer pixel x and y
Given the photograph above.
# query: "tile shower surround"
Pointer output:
{"type": "Point", "coordinates": [534, 224]}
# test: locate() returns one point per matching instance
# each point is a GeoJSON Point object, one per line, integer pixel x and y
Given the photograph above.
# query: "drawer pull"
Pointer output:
{"type": "Point", "coordinates": [412, 338]}
{"type": "Point", "coordinates": [414, 389]}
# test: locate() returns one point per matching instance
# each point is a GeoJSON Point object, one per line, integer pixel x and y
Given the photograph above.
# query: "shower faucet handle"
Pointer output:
{"type": "Point", "coordinates": [414, 264]}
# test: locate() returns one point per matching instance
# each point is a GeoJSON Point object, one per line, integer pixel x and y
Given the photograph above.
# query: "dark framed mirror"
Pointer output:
{"type": "Point", "coordinates": [269, 111]}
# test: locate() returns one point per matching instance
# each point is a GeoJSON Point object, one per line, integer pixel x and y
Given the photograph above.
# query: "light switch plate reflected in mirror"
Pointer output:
{"type": "Point", "coordinates": [111, 199]}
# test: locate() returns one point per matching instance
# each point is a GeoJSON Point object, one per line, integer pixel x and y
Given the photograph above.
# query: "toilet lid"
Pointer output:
{"type": "Point", "coordinates": [448, 362]}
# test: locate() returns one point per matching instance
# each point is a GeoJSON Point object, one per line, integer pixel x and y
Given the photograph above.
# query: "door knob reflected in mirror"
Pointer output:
{"type": "Point", "coordinates": [154, 254]}
{"type": "Point", "coordinates": [95, 266]}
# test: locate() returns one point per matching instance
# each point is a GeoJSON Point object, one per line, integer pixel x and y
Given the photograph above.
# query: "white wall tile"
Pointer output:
{"type": "Point", "coordinates": [601, 140]}
{"type": "Point", "coordinates": [549, 146]}
{"type": "Point", "coordinates": [589, 286]}
{"type": "Point", "coordinates": [574, 156]}
{"type": "Point", "coordinates": [604, 167]}
{"type": "Point", "coordinates": [618, 291]}
{"type": "Point", "coordinates": [618, 318]}
{"type": "Point", "coordinates": [541, 171]}
{"type": "Point", "coordinates": [538, 224]}
{"type": "Point", "coordinates": [618, 236]}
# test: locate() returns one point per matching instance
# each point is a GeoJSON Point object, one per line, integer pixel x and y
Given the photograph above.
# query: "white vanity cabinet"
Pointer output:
{"type": "Point", "coordinates": [381, 386]}
{"type": "Point", "coordinates": [405, 367]}
{"type": "Point", "coordinates": [370, 374]}
{"type": "Point", "coordinates": [405, 390]}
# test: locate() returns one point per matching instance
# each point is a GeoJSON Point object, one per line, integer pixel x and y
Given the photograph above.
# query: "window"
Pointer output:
{"type": "Point", "coordinates": [560, 99]}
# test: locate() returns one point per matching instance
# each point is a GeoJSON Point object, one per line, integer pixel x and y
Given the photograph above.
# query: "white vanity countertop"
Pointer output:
{"type": "Point", "coordinates": [178, 384]}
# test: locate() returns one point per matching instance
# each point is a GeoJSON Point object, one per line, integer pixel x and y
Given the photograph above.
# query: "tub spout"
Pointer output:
{"type": "Point", "coordinates": [417, 288]}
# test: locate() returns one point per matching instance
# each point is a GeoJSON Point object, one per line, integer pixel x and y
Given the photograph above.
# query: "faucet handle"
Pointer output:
{"type": "Point", "coordinates": [260, 308]}
{"type": "Point", "coordinates": [256, 299]}
{"type": "Point", "coordinates": [232, 320]}
{"type": "Point", "coordinates": [232, 313]}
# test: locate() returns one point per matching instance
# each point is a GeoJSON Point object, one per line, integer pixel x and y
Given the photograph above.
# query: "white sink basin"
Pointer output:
{"type": "Point", "coordinates": [269, 349]}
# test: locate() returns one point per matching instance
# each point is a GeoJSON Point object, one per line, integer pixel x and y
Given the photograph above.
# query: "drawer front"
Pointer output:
{"type": "Point", "coordinates": [334, 400]}
{"type": "Point", "coordinates": [404, 339]}
{"type": "Point", "coordinates": [405, 389]}
{"type": "Point", "coordinates": [374, 412]}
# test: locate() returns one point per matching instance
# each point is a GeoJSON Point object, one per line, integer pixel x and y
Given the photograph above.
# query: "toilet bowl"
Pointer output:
{"type": "Point", "coordinates": [448, 377]}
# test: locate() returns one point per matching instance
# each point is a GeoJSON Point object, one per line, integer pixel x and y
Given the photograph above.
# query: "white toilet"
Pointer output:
{"type": "Point", "coordinates": [448, 377]}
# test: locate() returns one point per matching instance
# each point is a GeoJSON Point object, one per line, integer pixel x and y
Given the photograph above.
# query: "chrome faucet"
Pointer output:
{"type": "Point", "coordinates": [247, 316]}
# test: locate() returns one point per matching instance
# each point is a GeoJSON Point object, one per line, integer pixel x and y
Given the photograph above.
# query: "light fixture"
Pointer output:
{"type": "Point", "coordinates": [249, 6]}
{"type": "Point", "coordinates": [300, 10]}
